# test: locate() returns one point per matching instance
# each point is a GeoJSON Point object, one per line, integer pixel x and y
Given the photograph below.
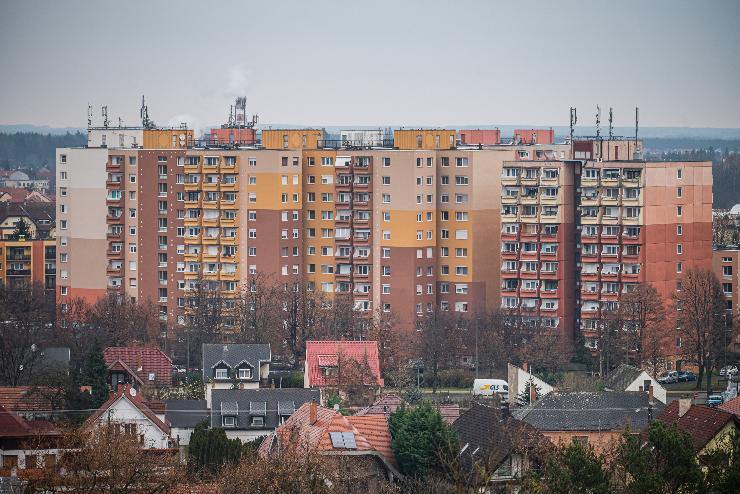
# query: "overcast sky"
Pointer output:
{"type": "Point", "coordinates": [375, 62]}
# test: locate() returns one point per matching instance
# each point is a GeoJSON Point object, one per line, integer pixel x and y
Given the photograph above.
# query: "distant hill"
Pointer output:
{"type": "Point", "coordinates": [32, 150]}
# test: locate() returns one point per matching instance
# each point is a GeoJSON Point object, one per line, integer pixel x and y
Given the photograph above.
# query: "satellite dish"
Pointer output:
{"type": "Point", "coordinates": [182, 137]}
{"type": "Point", "coordinates": [133, 392]}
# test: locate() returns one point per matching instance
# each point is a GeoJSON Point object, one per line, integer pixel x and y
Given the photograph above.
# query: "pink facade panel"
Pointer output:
{"type": "Point", "coordinates": [480, 136]}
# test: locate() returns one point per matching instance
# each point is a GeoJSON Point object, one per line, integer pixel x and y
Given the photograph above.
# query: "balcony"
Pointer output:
{"type": "Point", "coordinates": [114, 269]}
{"type": "Point", "coordinates": [192, 186]}
{"type": "Point", "coordinates": [113, 166]}
{"type": "Point", "coordinates": [192, 221]}
{"type": "Point", "coordinates": [225, 186]}
{"type": "Point", "coordinates": [192, 204]}
{"type": "Point", "coordinates": [209, 186]}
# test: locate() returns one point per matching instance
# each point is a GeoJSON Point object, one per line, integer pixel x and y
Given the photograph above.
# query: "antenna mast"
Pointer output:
{"type": "Point", "coordinates": [611, 134]}
{"type": "Point", "coordinates": [637, 120]}
{"type": "Point", "coordinates": [105, 116]}
{"type": "Point", "coordinates": [598, 121]}
{"type": "Point", "coordinates": [144, 114]}
{"type": "Point", "coordinates": [89, 115]}
{"type": "Point", "coordinates": [573, 121]}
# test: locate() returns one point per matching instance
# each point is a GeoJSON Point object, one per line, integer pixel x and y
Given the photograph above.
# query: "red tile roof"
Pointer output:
{"type": "Point", "coordinates": [732, 406]}
{"type": "Point", "coordinates": [24, 398]}
{"type": "Point", "coordinates": [140, 361]}
{"type": "Point", "coordinates": [371, 433]}
{"type": "Point", "coordinates": [326, 354]}
{"type": "Point", "coordinates": [700, 422]}
{"type": "Point", "coordinates": [13, 425]}
{"type": "Point", "coordinates": [124, 392]}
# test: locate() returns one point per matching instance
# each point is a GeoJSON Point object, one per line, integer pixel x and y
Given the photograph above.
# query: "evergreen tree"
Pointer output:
{"type": "Point", "coordinates": [94, 374]}
{"type": "Point", "coordinates": [666, 464]}
{"type": "Point", "coordinates": [573, 468]}
{"type": "Point", "coordinates": [523, 399]}
{"type": "Point", "coordinates": [422, 442]}
{"type": "Point", "coordinates": [22, 230]}
{"type": "Point", "coordinates": [210, 449]}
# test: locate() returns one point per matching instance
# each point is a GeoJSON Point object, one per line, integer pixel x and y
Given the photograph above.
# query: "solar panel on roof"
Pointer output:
{"type": "Point", "coordinates": [345, 440]}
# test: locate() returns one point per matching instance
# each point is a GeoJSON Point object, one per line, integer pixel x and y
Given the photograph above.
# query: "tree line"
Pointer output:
{"type": "Point", "coordinates": [31, 150]}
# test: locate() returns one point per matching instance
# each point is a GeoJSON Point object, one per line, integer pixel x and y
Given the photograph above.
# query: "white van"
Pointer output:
{"type": "Point", "coordinates": [489, 387]}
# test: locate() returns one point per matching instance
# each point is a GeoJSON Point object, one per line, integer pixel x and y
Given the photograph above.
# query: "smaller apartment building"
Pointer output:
{"type": "Point", "coordinates": [25, 262]}
{"type": "Point", "coordinates": [726, 266]}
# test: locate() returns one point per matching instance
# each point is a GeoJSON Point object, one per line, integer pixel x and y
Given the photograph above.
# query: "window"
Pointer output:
{"type": "Point", "coordinates": [726, 270]}
{"type": "Point", "coordinates": [679, 249]}
{"type": "Point", "coordinates": [679, 229]}
{"type": "Point", "coordinates": [679, 210]}
{"type": "Point", "coordinates": [229, 421]}
{"type": "Point", "coordinates": [245, 373]}
{"type": "Point", "coordinates": [679, 173]}
{"type": "Point", "coordinates": [679, 191]}
{"type": "Point", "coordinates": [222, 373]}
{"type": "Point", "coordinates": [679, 267]}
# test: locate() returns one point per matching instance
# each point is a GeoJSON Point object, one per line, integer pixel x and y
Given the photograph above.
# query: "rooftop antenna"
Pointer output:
{"type": "Point", "coordinates": [611, 134]}
{"type": "Point", "coordinates": [598, 121]}
{"type": "Point", "coordinates": [120, 122]}
{"type": "Point", "coordinates": [105, 116]}
{"type": "Point", "coordinates": [637, 120]}
{"type": "Point", "coordinates": [144, 114]}
{"type": "Point", "coordinates": [573, 121]}
{"type": "Point", "coordinates": [89, 115]}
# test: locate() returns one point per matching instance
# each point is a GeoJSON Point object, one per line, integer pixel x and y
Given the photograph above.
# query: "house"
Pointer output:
{"type": "Point", "coordinates": [137, 365]}
{"type": "Point", "coordinates": [26, 446]}
{"type": "Point", "coordinates": [630, 378]}
{"type": "Point", "coordinates": [251, 413]}
{"type": "Point", "coordinates": [493, 441]}
{"type": "Point", "coordinates": [31, 402]}
{"type": "Point", "coordinates": [518, 379]}
{"type": "Point", "coordinates": [596, 418]}
{"type": "Point", "coordinates": [183, 416]}
{"type": "Point", "coordinates": [241, 365]}
{"type": "Point", "coordinates": [20, 195]}
{"type": "Point", "coordinates": [708, 427]}
{"type": "Point", "coordinates": [732, 406]}
{"type": "Point", "coordinates": [325, 358]}
{"type": "Point", "coordinates": [389, 403]}
{"type": "Point", "coordinates": [354, 446]}
{"type": "Point", "coordinates": [39, 216]}
{"type": "Point", "coordinates": [128, 412]}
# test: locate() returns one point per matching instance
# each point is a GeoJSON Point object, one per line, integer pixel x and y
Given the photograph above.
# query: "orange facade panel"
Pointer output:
{"type": "Point", "coordinates": [167, 138]}
{"type": "Point", "coordinates": [291, 138]}
{"type": "Point", "coordinates": [424, 139]}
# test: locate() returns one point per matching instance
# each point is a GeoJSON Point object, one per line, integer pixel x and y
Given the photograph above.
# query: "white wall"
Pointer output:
{"type": "Point", "coordinates": [658, 390]}
{"type": "Point", "coordinates": [181, 435]}
{"type": "Point", "coordinates": [125, 412]}
{"type": "Point", "coordinates": [113, 138]}
{"type": "Point", "coordinates": [246, 436]}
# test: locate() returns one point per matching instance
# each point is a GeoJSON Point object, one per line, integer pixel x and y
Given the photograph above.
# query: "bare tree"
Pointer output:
{"type": "Point", "coordinates": [205, 317]}
{"type": "Point", "coordinates": [119, 321]}
{"type": "Point", "coordinates": [645, 323]}
{"type": "Point", "coordinates": [258, 311]}
{"type": "Point", "coordinates": [104, 460]}
{"type": "Point", "coordinates": [701, 320]}
{"type": "Point", "coordinates": [26, 323]}
{"type": "Point", "coordinates": [439, 342]}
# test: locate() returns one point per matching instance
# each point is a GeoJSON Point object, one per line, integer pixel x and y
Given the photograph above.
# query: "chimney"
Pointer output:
{"type": "Point", "coordinates": [641, 389]}
{"type": "Point", "coordinates": [683, 406]}
{"type": "Point", "coordinates": [312, 413]}
{"type": "Point", "coordinates": [525, 367]}
{"type": "Point", "coordinates": [532, 393]}
{"type": "Point", "coordinates": [647, 384]}
{"type": "Point", "coordinates": [650, 395]}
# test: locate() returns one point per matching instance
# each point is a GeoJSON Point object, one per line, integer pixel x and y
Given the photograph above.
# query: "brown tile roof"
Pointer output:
{"type": "Point", "coordinates": [371, 433]}
{"type": "Point", "coordinates": [24, 398]}
{"type": "Point", "coordinates": [700, 422]}
{"type": "Point", "coordinates": [389, 403]}
{"type": "Point", "coordinates": [140, 362]}
{"type": "Point", "coordinates": [13, 425]}
{"type": "Point", "coordinates": [124, 393]}
{"type": "Point", "coordinates": [732, 406]}
{"type": "Point", "coordinates": [325, 354]}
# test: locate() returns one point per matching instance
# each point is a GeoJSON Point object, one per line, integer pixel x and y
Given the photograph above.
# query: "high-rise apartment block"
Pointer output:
{"type": "Point", "coordinates": [421, 221]}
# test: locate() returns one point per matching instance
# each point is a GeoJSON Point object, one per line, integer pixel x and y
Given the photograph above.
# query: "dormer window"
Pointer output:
{"type": "Point", "coordinates": [245, 373]}
{"type": "Point", "coordinates": [229, 421]}
{"type": "Point", "coordinates": [259, 421]}
{"type": "Point", "coordinates": [222, 373]}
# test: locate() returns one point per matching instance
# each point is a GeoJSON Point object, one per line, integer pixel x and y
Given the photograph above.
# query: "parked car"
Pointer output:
{"type": "Point", "coordinates": [668, 377]}
{"type": "Point", "coordinates": [686, 376]}
{"type": "Point", "coordinates": [714, 400]}
{"type": "Point", "coordinates": [728, 370]}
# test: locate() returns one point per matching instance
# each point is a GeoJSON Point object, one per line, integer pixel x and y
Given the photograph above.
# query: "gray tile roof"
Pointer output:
{"type": "Point", "coordinates": [185, 414]}
{"type": "Point", "coordinates": [621, 377]}
{"type": "Point", "coordinates": [588, 411]}
{"type": "Point", "coordinates": [233, 355]}
{"type": "Point", "coordinates": [263, 402]}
